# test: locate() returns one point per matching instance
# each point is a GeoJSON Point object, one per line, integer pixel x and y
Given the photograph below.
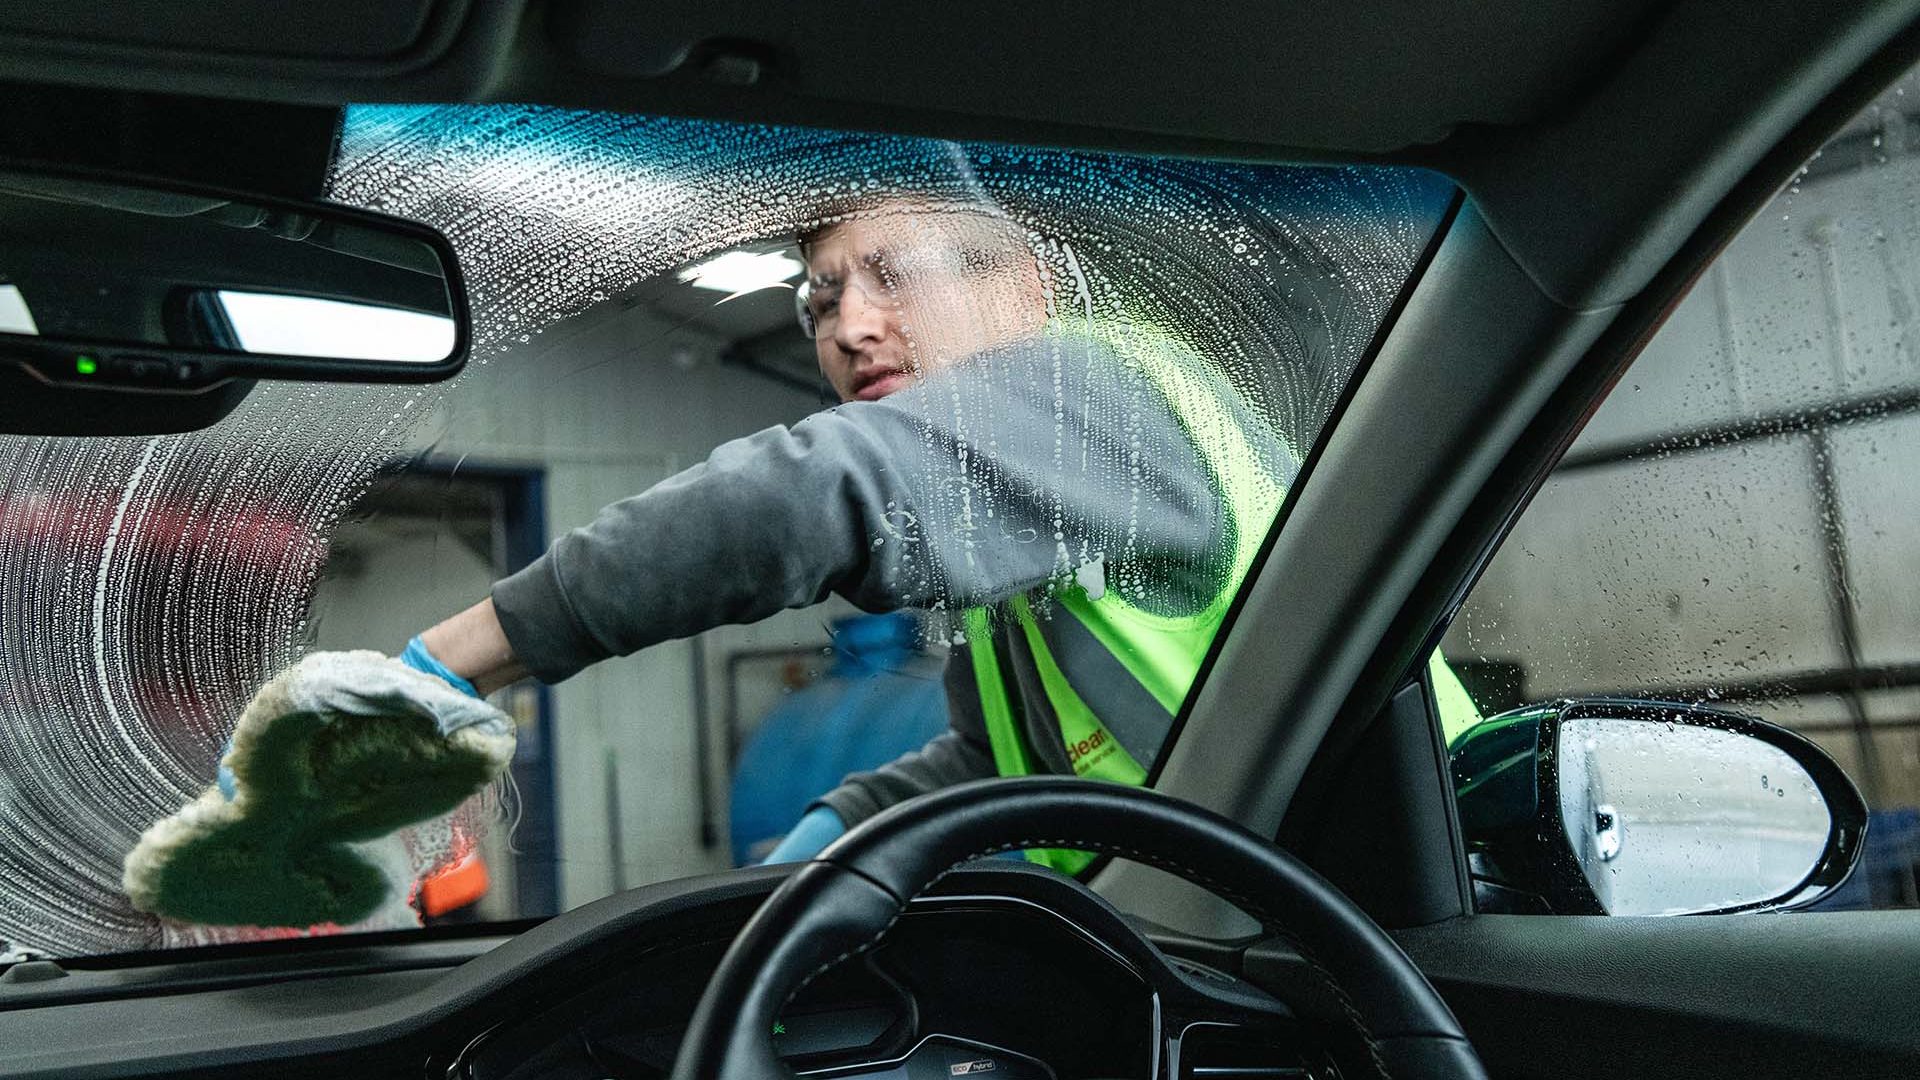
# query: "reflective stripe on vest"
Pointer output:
{"type": "Point", "coordinates": [1011, 756]}
{"type": "Point", "coordinates": [1162, 652]}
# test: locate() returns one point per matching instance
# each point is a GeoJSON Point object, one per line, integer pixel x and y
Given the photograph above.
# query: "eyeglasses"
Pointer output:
{"type": "Point", "coordinates": [884, 277]}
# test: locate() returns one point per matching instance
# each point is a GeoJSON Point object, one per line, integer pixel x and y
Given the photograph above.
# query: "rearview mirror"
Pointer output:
{"type": "Point", "coordinates": [1623, 807]}
{"type": "Point", "coordinates": [131, 286]}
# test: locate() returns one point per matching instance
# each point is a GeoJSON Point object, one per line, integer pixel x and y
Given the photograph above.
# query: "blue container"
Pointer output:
{"type": "Point", "coordinates": [881, 699]}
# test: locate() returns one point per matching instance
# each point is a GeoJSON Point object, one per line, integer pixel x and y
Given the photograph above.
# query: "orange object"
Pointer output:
{"type": "Point", "coordinates": [455, 887]}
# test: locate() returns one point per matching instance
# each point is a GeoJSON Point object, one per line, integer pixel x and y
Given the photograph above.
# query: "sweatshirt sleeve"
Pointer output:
{"type": "Point", "coordinates": [955, 756]}
{"type": "Point", "coordinates": [949, 758]}
{"type": "Point", "coordinates": [1016, 468]}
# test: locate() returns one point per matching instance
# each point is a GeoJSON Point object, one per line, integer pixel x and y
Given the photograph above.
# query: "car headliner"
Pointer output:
{"type": "Point", "coordinates": [1579, 127]}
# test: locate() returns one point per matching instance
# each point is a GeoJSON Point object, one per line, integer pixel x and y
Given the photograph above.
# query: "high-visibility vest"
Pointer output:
{"type": "Point", "coordinates": [1163, 653]}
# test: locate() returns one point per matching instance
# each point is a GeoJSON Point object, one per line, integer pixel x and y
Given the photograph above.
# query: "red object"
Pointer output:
{"type": "Point", "coordinates": [463, 883]}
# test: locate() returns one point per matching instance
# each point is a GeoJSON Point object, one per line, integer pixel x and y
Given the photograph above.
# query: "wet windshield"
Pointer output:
{"type": "Point", "coordinates": [804, 472]}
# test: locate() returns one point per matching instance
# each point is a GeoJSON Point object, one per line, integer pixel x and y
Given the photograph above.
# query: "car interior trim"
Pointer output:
{"type": "Point", "coordinates": [1433, 603]}
{"type": "Point", "coordinates": [1513, 405]}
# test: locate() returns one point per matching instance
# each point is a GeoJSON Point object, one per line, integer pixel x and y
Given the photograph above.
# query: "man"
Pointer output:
{"type": "Point", "coordinates": [1082, 504]}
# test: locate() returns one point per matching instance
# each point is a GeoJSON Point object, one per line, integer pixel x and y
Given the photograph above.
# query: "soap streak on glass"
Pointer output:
{"type": "Point", "coordinates": [148, 586]}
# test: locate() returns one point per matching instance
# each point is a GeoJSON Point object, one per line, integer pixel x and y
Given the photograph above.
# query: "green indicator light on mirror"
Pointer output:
{"type": "Point", "coordinates": [779, 1028]}
{"type": "Point", "coordinates": [85, 365]}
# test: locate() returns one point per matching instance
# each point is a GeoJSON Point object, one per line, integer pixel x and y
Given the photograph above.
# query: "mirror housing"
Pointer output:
{"type": "Point", "coordinates": [1668, 821]}
{"type": "Point", "coordinates": [134, 306]}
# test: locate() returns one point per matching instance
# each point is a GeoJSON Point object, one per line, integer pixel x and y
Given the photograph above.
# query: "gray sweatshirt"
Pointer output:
{"type": "Point", "coordinates": [1008, 473]}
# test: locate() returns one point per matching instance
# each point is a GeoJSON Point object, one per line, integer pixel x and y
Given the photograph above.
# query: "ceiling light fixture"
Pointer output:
{"type": "Point", "coordinates": [739, 272]}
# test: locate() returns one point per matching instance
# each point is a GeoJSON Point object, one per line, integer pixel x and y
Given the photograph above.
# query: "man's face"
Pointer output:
{"type": "Point", "coordinates": [902, 293]}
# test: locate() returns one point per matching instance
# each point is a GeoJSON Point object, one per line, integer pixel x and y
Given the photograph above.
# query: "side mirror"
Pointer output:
{"type": "Point", "coordinates": [1624, 807]}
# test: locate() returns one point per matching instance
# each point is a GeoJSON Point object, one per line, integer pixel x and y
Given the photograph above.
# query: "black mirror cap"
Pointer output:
{"type": "Point", "coordinates": [1505, 774]}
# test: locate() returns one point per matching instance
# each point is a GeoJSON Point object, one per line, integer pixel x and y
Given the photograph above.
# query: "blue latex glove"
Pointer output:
{"type": "Point", "coordinates": [820, 827]}
{"type": "Point", "coordinates": [415, 656]}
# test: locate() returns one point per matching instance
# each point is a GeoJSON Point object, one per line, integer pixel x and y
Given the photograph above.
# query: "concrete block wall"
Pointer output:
{"type": "Point", "coordinates": [1672, 552]}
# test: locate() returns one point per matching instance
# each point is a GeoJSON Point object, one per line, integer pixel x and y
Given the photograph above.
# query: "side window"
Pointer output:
{"type": "Point", "coordinates": [1737, 529]}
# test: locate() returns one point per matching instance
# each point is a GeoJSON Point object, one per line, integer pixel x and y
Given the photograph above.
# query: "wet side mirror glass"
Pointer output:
{"type": "Point", "coordinates": [1667, 818]}
{"type": "Point", "coordinates": [1648, 808]}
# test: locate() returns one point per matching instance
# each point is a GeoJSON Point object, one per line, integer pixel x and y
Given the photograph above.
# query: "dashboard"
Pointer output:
{"type": "Point", "coordinates": [1010, 973]}
{"type": "Point", "coordinates": [960, 987]}
{"type": "Point", "coordinates": [1004, 971]}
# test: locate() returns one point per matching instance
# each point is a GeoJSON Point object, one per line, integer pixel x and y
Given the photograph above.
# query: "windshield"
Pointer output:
{"type": "Point", "coordinates": [800, 471]}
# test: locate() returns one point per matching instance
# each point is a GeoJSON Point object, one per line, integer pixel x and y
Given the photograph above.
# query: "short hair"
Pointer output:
{"type": "Point", "coordinates": [991, 218]}
{"type": "Point", "coordinates": [944, 181]}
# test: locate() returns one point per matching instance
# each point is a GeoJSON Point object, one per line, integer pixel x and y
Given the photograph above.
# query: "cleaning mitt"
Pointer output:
{"type": "Point", "coordinates": [329, 759]}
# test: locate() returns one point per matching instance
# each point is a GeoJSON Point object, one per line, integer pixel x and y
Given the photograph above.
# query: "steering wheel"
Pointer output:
{"type": "Point", "coordinates": [843, 903]}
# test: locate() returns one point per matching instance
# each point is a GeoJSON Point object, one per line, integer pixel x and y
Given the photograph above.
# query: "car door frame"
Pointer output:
{"type": "Point", "coordinates": [1576, 996]}
{"type": "Point", "coordinates": [1502, 347]}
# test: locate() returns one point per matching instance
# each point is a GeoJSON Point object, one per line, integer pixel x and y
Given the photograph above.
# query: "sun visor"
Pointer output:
{"type": "Point", "coordinates": [259, 148]}
{"type": "Point", "coordinates": [339, 30]}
